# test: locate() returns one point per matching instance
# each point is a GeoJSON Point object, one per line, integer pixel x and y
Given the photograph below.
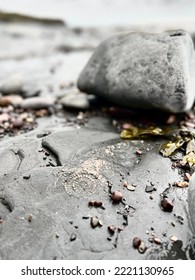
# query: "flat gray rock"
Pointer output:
{"type": "Point", "coordinates": [50, 218]}
{"type": "Point", "coordinates": [140, 70]}
{"type": "Point", "coordinates": [63, 143]}
{"type": "Point", "coordinates": [191, 198]}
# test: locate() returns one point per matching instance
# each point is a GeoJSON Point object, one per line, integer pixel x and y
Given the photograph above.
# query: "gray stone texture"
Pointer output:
{"type": "Point", "coordinates": [143, 70]}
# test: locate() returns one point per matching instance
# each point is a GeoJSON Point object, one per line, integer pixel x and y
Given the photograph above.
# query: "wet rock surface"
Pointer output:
{"type": "Point", "coordinates": [143, 71]}
{"type": "Point", "coordinates": [60, 169]}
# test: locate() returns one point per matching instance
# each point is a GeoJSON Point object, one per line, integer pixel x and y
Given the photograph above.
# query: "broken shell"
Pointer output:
{"type": "Point", "coordinates": [128, 186]}
{"type": "Point", "coordinates": [167, 204]}
{"type": "Point", "coordinates": [94, 222]}
{"type": "Point", "coordinates": [136, 242]}
{"type": "Point", "coordinates": [116, 196]}
{"type": "Point", "coordinates": [142, 247]}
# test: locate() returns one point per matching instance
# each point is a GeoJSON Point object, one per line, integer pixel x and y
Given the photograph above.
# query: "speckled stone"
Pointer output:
{"type": "Point", "coordinates": [140, 70]}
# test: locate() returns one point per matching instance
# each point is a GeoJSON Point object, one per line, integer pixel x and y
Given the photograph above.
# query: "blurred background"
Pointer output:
{"type": "Point", "coordinates": [48, 42]}
{"type": "Point", "coordinates": [107, 13]}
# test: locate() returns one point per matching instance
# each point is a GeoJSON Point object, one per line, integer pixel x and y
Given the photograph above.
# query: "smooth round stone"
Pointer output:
{"type": "Point", "coordinates": [146, 71]}
{"type": "Point", "coordinates": [76, 101]}
{"type": "Point", "coordinates": [37, 102]}
{"type": "Point", "coordinates": [12, 84]}
{"type": "Point", "coordinates": [7, 100]}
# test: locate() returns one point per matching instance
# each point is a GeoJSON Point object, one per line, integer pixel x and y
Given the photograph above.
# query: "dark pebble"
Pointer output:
{"type": "Point", "coordinates": [47, 153]}
{"type": "Point", "coordinates": [30, 218]}
{"type": "Point", "coordinates": [136, 242]}
{"type": "Point", "coordinates": [26, 177]}
{"type": "Point", "coordinates": [97, 203]}
{"type": "Point", "coordinates": [116, 196]}
{"type": "Point", "coordinates": [73, 237]}
{"type": "Point", "coordinates": [167, 204]}
{"type": "Point", "coordinates": [111, 229]}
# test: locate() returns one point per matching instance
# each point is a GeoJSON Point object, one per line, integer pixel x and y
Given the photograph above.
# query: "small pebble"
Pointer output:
{"type": "Point", "coordinates": [138, 152]}
{"type": "Point", "coordinates": [85, 217]}
{"type": "Point", "coordinates": [187, 176]}
{"type": "Point", "coordinates": [95, 203]}
{"type": "Point", "coordinates": [26, 177]}
{"type": "Point", "coordinates": [183, 184]}
{"type": "Point", "coordinates": [116, 196]}
{"type": "Point", "coordinates": [128, 186]}
{"type": "Point", "coordinates": [149, 188]}
{"type": "Point", "coordinates": [73, 237]}
{"type": "Point", "coordinates": [17, 123]}
{"type": "Point", "coordinates": [30, 218]}
{"type": "Point", "coordinates": [136, 242]}
{"type": "Point", "coordinates": [120, 229]}
{"type": "Point", "coordinates": [173, 238]}
{"type": "Point", "coordinates": [1, 220]}
{"type": "Point", "coordinates": [151, 240]}
{"type": "Point", "coordinates": [167, 204]}
{"type": "Point", "coordinates": [94, 222]}
{"type": "Point", "coordinates": [142, 247]}
{"type": "Point", "coordinates": [157, 240]}
{"type": "Point", "coordinates": [111, 229]}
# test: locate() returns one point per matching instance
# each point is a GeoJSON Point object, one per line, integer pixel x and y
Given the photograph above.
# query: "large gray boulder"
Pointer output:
{"type": "Point", "coordinates": [140, 70]}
